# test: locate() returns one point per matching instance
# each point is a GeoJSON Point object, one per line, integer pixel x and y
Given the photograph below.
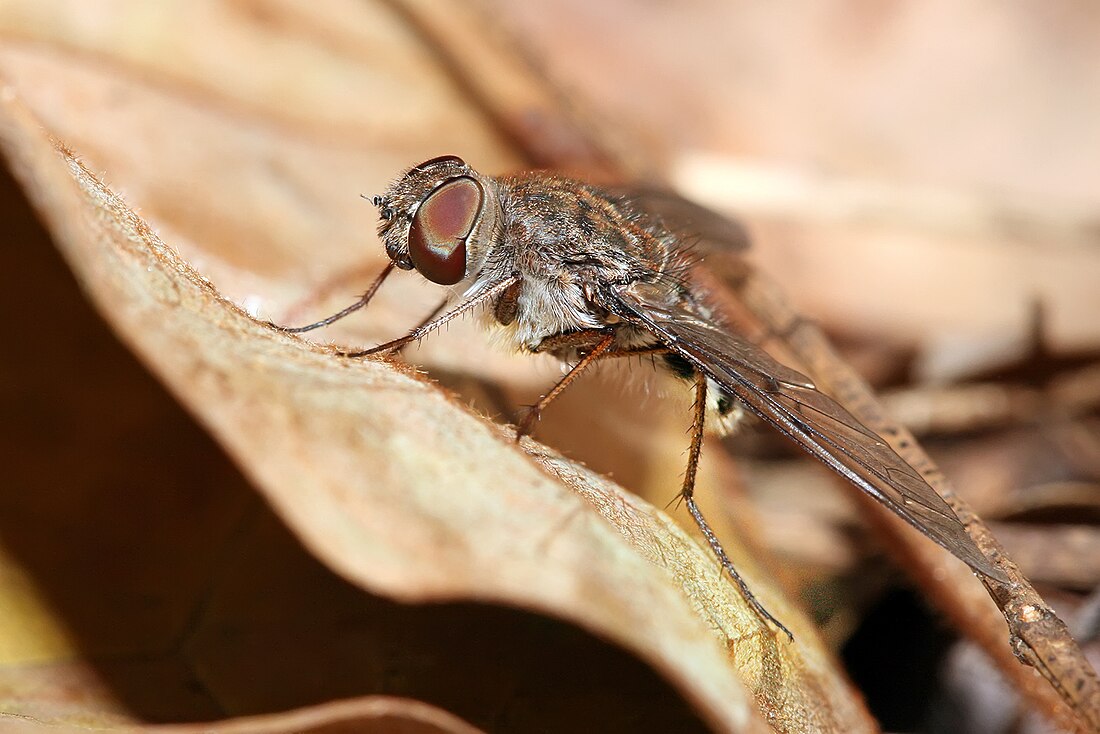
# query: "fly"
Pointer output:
{"type": "Point", "coordinates": [587, 274]}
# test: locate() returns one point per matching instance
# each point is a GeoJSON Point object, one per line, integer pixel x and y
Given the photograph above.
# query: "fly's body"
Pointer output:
{"type": "Point", "coordinates": [587, 274]}
{"type": "Point", "coordinates": [571, 245]}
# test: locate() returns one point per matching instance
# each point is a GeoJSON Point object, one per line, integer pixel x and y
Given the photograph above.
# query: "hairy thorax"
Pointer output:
{"type": "Point", "coordinates": [574, 240]}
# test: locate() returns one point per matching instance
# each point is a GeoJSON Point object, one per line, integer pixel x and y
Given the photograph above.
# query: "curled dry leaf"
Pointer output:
{"type": "Point", "coordinates": [245, 173]}
{"type": "Point", "coordinates": [338, 449]}
{"type": "Point", "coordinates": [369, 714]}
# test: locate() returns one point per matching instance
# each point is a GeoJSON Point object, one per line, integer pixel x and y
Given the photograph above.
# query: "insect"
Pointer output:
{"type": "Point", "coordinates": [587, 274]}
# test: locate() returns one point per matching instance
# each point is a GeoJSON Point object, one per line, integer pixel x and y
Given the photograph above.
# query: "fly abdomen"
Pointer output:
{"type": "Point", "coordinates": [724, 411]}
{"type": "Point", "coordinates": [680, 367]}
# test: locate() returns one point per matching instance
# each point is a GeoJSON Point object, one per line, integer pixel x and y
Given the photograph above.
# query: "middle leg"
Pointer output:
{"type": "Point", "coordinates": [597, 344]}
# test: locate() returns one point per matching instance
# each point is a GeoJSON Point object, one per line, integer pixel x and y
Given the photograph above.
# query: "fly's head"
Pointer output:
{"type": "Point", "coordinates": [440, 218]}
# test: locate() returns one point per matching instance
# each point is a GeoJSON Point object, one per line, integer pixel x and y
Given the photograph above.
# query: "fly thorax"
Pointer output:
{"type": "Point", "coordinates": [547, 307]}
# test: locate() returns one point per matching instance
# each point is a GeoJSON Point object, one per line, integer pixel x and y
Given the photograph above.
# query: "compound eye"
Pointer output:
{"type": "Point", "coordinates": [437, 236]}
{"type": "Point", "coordinates": [439, 159]}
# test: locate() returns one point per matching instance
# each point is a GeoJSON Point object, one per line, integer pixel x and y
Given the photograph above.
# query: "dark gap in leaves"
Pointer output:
{"type": "Point", "coordinates": [894, 658]}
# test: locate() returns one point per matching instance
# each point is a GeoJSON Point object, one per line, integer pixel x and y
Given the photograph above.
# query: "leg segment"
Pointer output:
{"type": "Point", "coordinates": [434, 312]}
{"type": "Point", "coordinates": [586, 361]}
{"type": "Point", "coordinates": [363, 301]}
{"type": "Point", "coordinates": [483, 296]}
{"type": "Point", "coordinates": [687, 492]}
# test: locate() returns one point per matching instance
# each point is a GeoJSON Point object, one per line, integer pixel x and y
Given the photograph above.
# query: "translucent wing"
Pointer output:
{"type": "Point", "coordinates": [790, 402]}
{"type": "Point", "coordinates": [706, 232]}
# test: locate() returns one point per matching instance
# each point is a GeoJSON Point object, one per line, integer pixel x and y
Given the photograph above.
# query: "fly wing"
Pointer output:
{"type": "Point", "coordinates": [789, 401]}
{"type": "Point", "coordinates": [707, 232]}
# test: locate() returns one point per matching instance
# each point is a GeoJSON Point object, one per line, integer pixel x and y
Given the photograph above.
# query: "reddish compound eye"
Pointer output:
{"type": "Point", "coordinates": [437, 237]}
{"type": "Point", "coordinates": [439, 159]}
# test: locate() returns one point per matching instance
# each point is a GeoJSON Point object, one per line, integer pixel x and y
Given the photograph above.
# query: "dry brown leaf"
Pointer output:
{"type": "Point", "coordinates": [373, 714]}
{"type": "Point", "coordinates": [338, 447]}
{"type": "Point", "coordinates": [244, 168]}
{"type": "Point", "coordinates": [262, 121]}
